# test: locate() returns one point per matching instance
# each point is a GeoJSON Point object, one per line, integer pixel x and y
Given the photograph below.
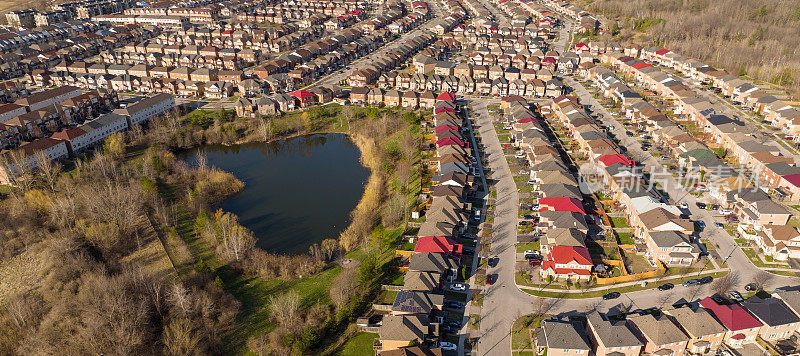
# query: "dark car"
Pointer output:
{"type": "Point", "coordinates": [691, 282]}
{"type": "Point", "coordinates": [530, 217]}
{"type": "Point", "coordinates": [612, 295]}
{"type": "Point", "coordinates": [493, 261]}
{"type": "Point", "coordinates": [490, 279]}
{"type": "Point", "coordinates": [750, 287]}
{"type": "Point", "coordinates": [454, 304]}
{"type": "Point", "coordinates": [524, 222]}
{"type": "Point", "coordinates": [666, 286]}
{"type": "Point", "coordinates": [468, 250]}
{"type": "Point", "coordinates": [706, 280]}
{"type": "Point", "coordinates": [701, 205]}
{"type": "Point", "coordinates": [630, 134]}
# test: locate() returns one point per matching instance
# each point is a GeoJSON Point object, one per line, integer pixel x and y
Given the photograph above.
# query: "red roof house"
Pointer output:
{"type": "Point", "coordinates": [442, 109]}
{"type": "Point", "coordinates": [662, 52]}
{"type": "Point", "coordinates": [305, 97]}
{"type": "Point", "coordinates": [446, 96]}
{"type": "Point", "coordinates": [742, 327]}
{"type": "Point", "coordinates": [438, 244]}
{"type": "Point", "coordinates": [568, 261]}
{"type": "Point", "coordinates": [561, 204]}
{"type": "Point", "coordinates": [441, 128]}
{"type": "Point", "coordinates": [450, 141]}
{"type": "Point", "coordinates": [608, 160]}
{"type": "Point", "coordinates": [641, 65]}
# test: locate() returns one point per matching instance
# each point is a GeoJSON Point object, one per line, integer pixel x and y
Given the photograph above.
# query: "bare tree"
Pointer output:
{"type": "Point", "coordinates": [179, 297]}
{"type": "Point", "coordinates": [409, 144]}
{"type": "Point", "coordinates": [49, 169]}
{"type": "Point", "coordinates": [725, 284]}
{"type": "Point", "coordinates": [343, 287]}
{"type": "Point", "coordinates": [285, 308]}
{"type": "Point", "coordinates": [20, 308]}
{"type": "Point", "coordinates": [762, 279]}
{"type": "Point", "coordinates": [17, 169]}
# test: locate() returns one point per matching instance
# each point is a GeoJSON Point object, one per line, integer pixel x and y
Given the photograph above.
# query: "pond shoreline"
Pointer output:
{"type": "Point", "coordinates": [365, 150]}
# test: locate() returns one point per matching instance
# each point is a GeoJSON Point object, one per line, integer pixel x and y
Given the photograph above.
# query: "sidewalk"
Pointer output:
{"type": "Point", "coordinates": [618, 285]}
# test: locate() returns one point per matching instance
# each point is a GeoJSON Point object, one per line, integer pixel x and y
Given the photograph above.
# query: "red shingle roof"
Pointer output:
{"type": "Point", "coordinates": [733, 316]}
{"type": "Point", "coordinates": [438, 244]}
{"type": "Point", "coordinates": [562, 204]}
{"type": "Point", "coordinates": [608, 160]}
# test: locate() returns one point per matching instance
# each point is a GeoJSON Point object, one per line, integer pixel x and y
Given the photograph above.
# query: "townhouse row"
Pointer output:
{"type": "Point", "coordinates": [72, 140]}
{"type": "Point", "coordinates": [558, 199]}
{"type": "Point", "coordinates": [418, 312]}
{"type": "Point", "coordinates": [41, 114]}
{"type": "Point", "coordinates": [700, 328]}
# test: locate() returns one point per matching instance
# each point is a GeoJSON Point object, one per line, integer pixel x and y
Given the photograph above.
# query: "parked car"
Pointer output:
{"type": "Point", "coordinates": [683, 205]}
{"type": "Point", "coordinates": [531, 182]}
{"type": "Point", "coordinates": [724, 212]}
{"type": "Point", "coordinates": [719, 224]}
{"type": "Point", "coordinates": [491, 278]}
{"type": "Point", "coordinates": [471, 236]}
{"type": "Point", "coordinates": [534, 261]}
{"type": "Point", "coordinates": [507, 127]}
{"type": "Point", "coordinates": [520, 154]}
{"type": "Point", "coordinates": [666, 286]}
{"type": "Point", "coordinates": [492, 262]}
{"type": "Point", "coordinates": [477, 213]}
{"type": "Point", "coordinates": [459, 287]}
{"type": "Point", "coordinates": [523, 172]}
{"type": "Point", "coordinates": [532, 253]}
{"type": "Point", "coordinates": [665, 158]}
{"type": "Point", "coordinates": [529, 217]}
{"type": "Point", "coordinates": [612, 295]}
{"type": "Point", "coordinates": [700, 224]}
{"type": "Point", "coordinates": [468, 251]}
{"type": "Point", "coordinates": [691, 282]}
{"type": "Point", "coordinates": [630, 134]}
{"type": "Point", "coordinates": [736, 296]}
{"type": "Point", "coordinates": [706, 280]}
{"type": "Point", "coordinates": [454, 304]}
{"type": "Point", "coordinates": [524, 222]}
{"type": "Point", "coordinates": [751, 287]}
{"type": "Point", "coordinates": [448, 346]}
{"type": "Point", "coordinates": [701, 205]}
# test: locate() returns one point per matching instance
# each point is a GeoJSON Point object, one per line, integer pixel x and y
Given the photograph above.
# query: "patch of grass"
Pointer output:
{"type": "Point", "coordinates": [626, 289]}
{"type": "Point", "coordinates": [520, 331]}
{"type": "Point", "coordinates": [386, 297]}
{"type": "Point", "coordinates": [359, 345]}
{"type": "Point", "coordinates": [474, 321]}
{"type": "Point", "coordinates": [522, 247]}
{"type": "Point", "coordinates": [619, 221]}
{"type": "Point", "coordinates": [625, 238]}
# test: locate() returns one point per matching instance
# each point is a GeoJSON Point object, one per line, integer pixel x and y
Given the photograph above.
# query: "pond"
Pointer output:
{"type": "Point", "coordinates": [298, 191]}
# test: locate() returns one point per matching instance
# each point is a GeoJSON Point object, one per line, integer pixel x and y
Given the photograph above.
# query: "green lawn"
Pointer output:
{"type": "Point", "coordinates": [359, 345]}
{"type": "Point", "coordinates": [522, 247]}
{"type": "Point", "coordinates": [386, 297]}
{"type": "Point", "coordinates": [633, 288]}
{"type": "Point", "coordinates": [619, 221]}
{"type": "Point", "coordinates": [625, 238]}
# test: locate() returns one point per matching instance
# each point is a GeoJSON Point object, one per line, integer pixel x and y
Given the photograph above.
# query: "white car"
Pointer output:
{"type": "Point", "coordinates": [507, 127]}
{"type": "Point", "coordinates": [683, 206]}
{"type": "Point", "coordinates": [448, 346]}
{"type": "Point", "coordinates": [725, 212]}
{"type": "Point", "coordinates": [459, 287]}
{"type": "Point", "coordinates": [520, 154]}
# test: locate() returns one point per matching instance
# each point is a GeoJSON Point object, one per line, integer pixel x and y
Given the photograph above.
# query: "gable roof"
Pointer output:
{"type": "Point", "coordinates": [733, 316]}
{"type": "Point", "coordinates": [612, 334]}
{"type": "Point", "coordinates": [661, 330]}
{"type": "Point", "coordinates": [438, 244]}
{"type": "Point", "coordinates": [563, 204]}
{"type": "Point", "coordinates": [696, 323]}
{"type": "Point", "coordinates": [563, 335]}
{"type": "Point", "coordinates": [771, 311]}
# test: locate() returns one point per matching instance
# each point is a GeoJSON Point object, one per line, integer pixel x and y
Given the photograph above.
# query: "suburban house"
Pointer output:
{"type": "Point", "coordinates": [397, 331]}
{"type": "Point", "coordinates": [705, 333]}
{"type": "Point", "coordinates": [417, 302]}
{"type": "Point", "coordinates": [670, 247]}
{"type": "Point", "coordinates": [612, 338]}
{"type": "Point", "coordinates": [567, 262]}
{"type": "Point", "coordinates": [438, 244]}
{"type": "Point", "coordinates": [660, 335]}
{"type": "Point", "coordinates": [778, 319]}
{"type": "Point", "coordinates": [742, 327]}
{"type": "Point", "coordinates": [561, 338]}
